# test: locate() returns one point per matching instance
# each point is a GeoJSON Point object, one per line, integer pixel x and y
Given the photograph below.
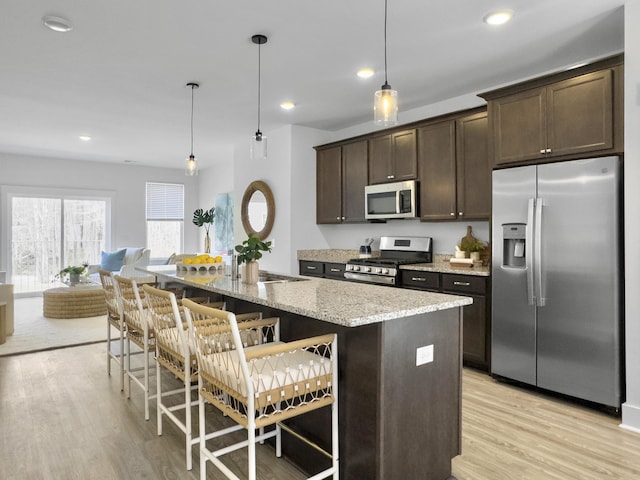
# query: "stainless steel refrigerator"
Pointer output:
{"type": "Point", "coordinates": [556, 276]}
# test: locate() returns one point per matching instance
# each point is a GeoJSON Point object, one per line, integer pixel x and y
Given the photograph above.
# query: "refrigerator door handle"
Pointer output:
{"type": "Point", "coordinates": [537, 260]}
{"type": "Point", "coordinates": [528, 250]}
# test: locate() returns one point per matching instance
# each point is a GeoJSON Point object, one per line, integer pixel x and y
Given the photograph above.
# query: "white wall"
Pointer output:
{"type": "Point", "coordinates": [212, 181]}
{"type": "Point", "coordinates": [631, 409]}
{"type": "Point", "coordinates": [275, 172]}
{"type": "Point", "coordinates": [126, 181]}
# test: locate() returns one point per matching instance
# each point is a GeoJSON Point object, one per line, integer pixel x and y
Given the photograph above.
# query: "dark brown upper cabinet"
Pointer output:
{"type": "Point", "coordinates": [567, 118]}
{"type": "Point", "coordinates": [393, 157]}
{"type": "Point", "coordinates": [454, 169]}
{"type": "Point", "coordinates": [341, 175]}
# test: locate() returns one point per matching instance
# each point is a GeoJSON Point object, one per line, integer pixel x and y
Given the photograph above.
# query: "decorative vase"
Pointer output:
{"type": "Point", "coordinates": [74, 278]}
{"type": "Point", "coordinates": [207, 243]}
{"type": "Point", "coordinates": [251, 272]}
{"type": "Point", "coordinates": [475, 256]}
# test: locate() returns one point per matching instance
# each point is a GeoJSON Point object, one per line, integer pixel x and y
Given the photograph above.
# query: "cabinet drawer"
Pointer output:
{"type": "Point", "coordinates": [421, 280]}
{"type": "Point", "coordinates": [464, 284]}
{"type": "Point", "coordinates": [314, 269]}
{"type": "Point", "coordinates": [334, 270]}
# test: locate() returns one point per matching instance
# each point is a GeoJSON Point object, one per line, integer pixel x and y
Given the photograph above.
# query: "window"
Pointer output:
{"type": "Point", "coordinates": [48, 229]}
{"type": "Point", "coordinates": [165, 218]}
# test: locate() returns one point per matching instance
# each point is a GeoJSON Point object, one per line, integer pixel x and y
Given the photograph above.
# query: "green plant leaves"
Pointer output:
{"type": "Point", "coordinates": [251, 249]}
{"type": "Point", "coordinates": [204, 218]}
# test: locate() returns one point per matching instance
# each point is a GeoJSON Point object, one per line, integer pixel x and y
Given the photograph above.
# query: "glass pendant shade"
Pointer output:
{"type": "Point", "coordinates": [258, 147]}
{"type": "Point", "coordinates": [385, 107]}
{"type": "Point", "coordinates": [192, 166]}
{"type": "Point", "coordinates": [192, 163]}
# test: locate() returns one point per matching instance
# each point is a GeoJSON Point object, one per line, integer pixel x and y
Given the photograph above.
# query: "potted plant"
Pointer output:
{"type": "Point", "coordinates": [475, 247]}
{"type": "Point", "coordinates": [73, 272]}
{"type": "Point", "coordinates": [249, 252]}
{"type": "Point", "coordinates": [205, 218]}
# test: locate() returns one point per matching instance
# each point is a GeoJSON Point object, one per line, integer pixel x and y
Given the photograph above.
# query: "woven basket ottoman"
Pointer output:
{"type": "Point", "coordinates": [74, 302]}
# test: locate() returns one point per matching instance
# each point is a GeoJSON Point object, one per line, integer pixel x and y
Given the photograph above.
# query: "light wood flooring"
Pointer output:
{"type": "Point", "coordinates": [62, 417]}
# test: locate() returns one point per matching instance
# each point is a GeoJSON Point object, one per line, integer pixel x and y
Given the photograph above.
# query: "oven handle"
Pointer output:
{"type": "Point", "coordinates": [370, 278]}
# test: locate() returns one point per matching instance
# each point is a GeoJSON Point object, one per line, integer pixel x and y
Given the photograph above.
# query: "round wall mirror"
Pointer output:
{"type": "Point", "coordinates": [258, 210]}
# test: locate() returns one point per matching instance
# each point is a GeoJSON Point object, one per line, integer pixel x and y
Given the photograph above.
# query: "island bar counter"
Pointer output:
{"type": "Point", "coordinates": [398, 420]}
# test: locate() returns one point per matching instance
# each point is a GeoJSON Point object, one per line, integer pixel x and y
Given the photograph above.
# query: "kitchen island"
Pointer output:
{"type": "Point", "coordinates": [398, 419]}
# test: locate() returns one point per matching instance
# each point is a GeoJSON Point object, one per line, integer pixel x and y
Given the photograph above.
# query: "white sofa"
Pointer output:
{"type": "Point", "coordinates": [134, 257]}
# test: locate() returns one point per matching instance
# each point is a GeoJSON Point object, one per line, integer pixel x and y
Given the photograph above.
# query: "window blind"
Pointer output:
{"type": "Point", "coordinates": [165, 201]}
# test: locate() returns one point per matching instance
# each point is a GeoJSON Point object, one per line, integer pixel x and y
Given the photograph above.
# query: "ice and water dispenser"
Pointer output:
{"type": "Point", "coordinates": [514, 242]}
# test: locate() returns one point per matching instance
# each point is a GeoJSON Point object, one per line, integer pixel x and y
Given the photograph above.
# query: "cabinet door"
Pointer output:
{"type": "Point", "coordinates": [580, 114]}
{"type": "Point", "coordinates": [474, 332]}
{"type": "Point", "coordinates": [329, 186]}
{"type": "Point", "coordinates": [436, 151]}
{"type": "Point", "coordinates": [518, 124]}
{"type": "Point", "coordinates": [405, 157]}
{"type": "Point", "coordinates": [419, 280]}
{"type": "Point", "coordinates": [475, 317]}
{"type": "Point", "coordinates": [473, 167]}
{"type": "Point", "coordinates": [354, 179]}
{"type": "Point", "coordinates": [334, 270]}
{"type": "Point", "coordinates": [311, 269]}
{"type": "Point", "coordinates": [380, 160]}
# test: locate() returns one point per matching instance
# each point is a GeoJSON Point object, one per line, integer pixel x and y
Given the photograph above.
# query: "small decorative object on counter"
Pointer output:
{"type": "Point", "coordinates": [205, 218]}
{"type": "Point", "coordinates": [468, 251]}
{"type": "Point", "coordinates": [249, 252]}
{"type": "Point", "coordinates": [471, 244]}
{"type": "Point", "coordinates": [365, 248]}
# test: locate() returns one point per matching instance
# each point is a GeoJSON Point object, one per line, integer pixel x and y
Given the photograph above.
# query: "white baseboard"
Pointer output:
{"type": "Point", "coordinates": [630, 417]}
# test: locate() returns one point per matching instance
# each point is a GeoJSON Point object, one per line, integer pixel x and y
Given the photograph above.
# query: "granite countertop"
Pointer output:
{"type": "Point", "coordinates": [445, 267]}
{"type": "Point", "coordinates": [440, 265]}
{"type": "Point", "coordinates": [344, 303]}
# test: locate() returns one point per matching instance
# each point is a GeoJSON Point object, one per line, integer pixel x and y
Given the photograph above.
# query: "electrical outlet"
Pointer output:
{"type": "Point", "coordinates": [424, 355]}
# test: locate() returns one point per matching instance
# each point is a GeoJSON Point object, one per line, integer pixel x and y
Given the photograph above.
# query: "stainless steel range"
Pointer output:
{"type": "Point", "coordinates": [394, 251]}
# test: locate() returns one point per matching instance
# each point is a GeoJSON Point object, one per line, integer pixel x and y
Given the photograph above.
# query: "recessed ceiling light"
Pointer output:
{"type": "Point", "coordinates": [365, 72]}
{"type": "Point", "coordinates": [287, 105]}
{"type": "Point", "coordinates": [498, 18]}
{"type": "Point", "coordinates": [57, 24]}
{"type": "Point", "coordinates": [84, 138]}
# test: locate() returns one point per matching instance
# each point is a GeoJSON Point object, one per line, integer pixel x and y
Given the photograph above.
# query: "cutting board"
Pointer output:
{"type": "Point", "coordinates": [467, 240]}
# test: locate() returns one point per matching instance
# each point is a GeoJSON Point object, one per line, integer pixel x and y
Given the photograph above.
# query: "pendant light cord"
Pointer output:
{"type": "Point", "coordinates": [259, 71]}
{"type": "Point", "coordinates": [192, 87]}
{"type": "Point", "coordinates": [385, 42]}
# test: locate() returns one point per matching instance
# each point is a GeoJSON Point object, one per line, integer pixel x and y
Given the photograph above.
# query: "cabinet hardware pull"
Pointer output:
{"type": "Point", "coordinates": [453, 214]}
{"type": "Point", "coordinates": [460, 213]}
{"type": "Point", "coordinates": [337, 218]}
{"type": "Point", "coordinates": [418, 279]}
{"type": "Point", "coordinates": [344, 218]}
{"type": "Point", "coordinates": [389, 177]}
{"type": "Point", "coordinates": [462, 284]}
{"type": "Point", "coordinates": [335, 269]}
{"type": "Point", "coordinates": [311, 268]}
{"type": "Point", "coordinates": [548, 150]}
{"type": "Point", "coordinates": [543, 151]}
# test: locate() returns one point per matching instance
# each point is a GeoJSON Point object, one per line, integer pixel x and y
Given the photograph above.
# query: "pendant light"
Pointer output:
{"type": "Point", "coordinates": [385, 107]}
{"type": "Point", "coordinates": [258, 149]}
{"type": "Point", "coordinates": [192, 163]}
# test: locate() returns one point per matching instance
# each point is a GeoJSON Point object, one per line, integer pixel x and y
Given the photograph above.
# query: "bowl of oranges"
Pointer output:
{"type": "Point", "coordinates": [204, 263]}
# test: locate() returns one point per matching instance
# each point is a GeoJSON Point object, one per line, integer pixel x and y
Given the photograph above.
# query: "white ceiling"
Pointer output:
{"type": "Point", "coordinates": [120, 74]}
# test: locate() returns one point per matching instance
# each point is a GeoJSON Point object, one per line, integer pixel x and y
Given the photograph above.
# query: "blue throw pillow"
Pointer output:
{"type": "Point", "coordinates": [112, 261]}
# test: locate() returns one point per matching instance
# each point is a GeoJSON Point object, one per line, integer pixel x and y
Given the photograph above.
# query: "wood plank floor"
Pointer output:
{"type": "Point", "coordinates": [62, 417]}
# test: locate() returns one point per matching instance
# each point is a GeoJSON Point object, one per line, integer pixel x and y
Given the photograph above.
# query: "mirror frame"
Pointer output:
{"type": "Point", "coordinates": [258, 186]}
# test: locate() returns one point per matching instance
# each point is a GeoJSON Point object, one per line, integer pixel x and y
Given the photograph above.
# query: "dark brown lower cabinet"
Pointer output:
{"type": "Point", "coordinates": [322, 269]}
{"type": "Point", "coordinates": [476, 331]}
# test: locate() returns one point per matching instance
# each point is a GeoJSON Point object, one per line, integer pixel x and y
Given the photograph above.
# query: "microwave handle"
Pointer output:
{"type": "Point", "coordinates": [398, 202]}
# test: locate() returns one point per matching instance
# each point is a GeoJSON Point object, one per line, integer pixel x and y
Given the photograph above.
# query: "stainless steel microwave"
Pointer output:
{"type": "Point", "coordinates": [390, 200]}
